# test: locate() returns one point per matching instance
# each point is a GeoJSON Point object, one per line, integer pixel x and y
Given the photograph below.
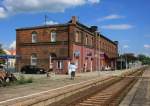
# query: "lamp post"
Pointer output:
{"type": "Point", "coordinates": [99, 50]}
{"type": "Point", "coordinates": [125, 56]}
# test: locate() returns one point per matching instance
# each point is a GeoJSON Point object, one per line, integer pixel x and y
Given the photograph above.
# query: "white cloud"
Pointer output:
{"type": "Point", "coordinates": [94, 1]}
{"type": "Point", "coordinates": [117, 27]}
{"type": "Point", "coordinates": [13, 45]}
{"type": "Point", "coordinates": [146, 46]}
{"type": "Point", "coordinates": [2, 12]}
{"type": "Point", "coordinates": [111, 17]}
{"type": "Point", "coordinates": [21, 6]}
{"type": "Point", "coordinates": [51, 22]}
{"type": "Point", "coordinates": [125, 46]}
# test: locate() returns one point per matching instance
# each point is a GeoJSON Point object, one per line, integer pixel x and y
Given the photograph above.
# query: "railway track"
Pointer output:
{"type": "Point", "coordinates": [108, 93]}
{"type": "Point", "coordinates": [110, 96]}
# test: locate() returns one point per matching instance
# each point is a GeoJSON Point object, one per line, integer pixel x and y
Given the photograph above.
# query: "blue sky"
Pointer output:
{"type": "Point", "coordinates": [124, 20]}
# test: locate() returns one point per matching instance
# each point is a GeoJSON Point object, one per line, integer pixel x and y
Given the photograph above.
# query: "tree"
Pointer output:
{"type": "Point", "coordinates": [2, 52]}
{"type": "Point", "coordinates": [144, 59]}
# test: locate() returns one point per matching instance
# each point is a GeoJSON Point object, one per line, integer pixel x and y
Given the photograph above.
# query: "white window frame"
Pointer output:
{"type": "Point", "coordinates": [77, 37]}
{"type": "Point", "coordinates": [33, 59]}
{"type": "Point", "coordinates": [34, 37]}
{"type": "Point", "coordinates": [60, 64]}
{"type": "Point", "coordinates": [50, 62]}
{"type": "Point", "coordinates": [53, 36]}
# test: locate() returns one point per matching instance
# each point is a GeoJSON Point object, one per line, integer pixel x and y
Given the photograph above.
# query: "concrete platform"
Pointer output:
{"type": "Point", "coordinates": [139, 95]}
{"type": "Point", "coordinates": [43, 84]}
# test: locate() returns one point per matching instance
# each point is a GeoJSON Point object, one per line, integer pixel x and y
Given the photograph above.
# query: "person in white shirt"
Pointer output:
{"type": "Point", "coordinates": [72, 69]}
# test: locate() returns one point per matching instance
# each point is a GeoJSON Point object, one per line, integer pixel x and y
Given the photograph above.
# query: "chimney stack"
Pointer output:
{"type": "Point", "coordinates": [94, 28]}
{"type": "Point", "coordinates": [116, 42]}
{"type": "Point", "coordinates": [74, 19]}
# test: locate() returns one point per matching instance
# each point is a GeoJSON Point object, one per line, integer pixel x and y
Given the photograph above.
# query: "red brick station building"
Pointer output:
{"type": "Point", "coordinates": [55, 46]}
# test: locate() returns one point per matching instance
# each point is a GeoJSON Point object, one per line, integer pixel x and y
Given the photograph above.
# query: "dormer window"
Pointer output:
{"type": "Point", "coordinates": [53, 36]}
{"type": "Point", "coordinates": [34, 37]}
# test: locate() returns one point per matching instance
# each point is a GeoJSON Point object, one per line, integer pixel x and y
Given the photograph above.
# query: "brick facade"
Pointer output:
{"type": "Point", "coordinates": [74, 42]}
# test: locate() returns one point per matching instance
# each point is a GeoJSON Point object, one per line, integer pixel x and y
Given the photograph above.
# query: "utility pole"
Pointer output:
{"type": "Point", "coordinates": [97, 54]}
{"type": "Point", "coordinates": [126, 62]}
{"type": "Point", "coordinates": [99, 50]}
{"type": "Point", "coordinates": [46, 17]}
{"type": "Point", "coordinates": [121, 56]}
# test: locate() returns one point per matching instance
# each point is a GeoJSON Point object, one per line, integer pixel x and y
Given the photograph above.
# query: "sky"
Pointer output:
{"type": "Point", "coordinates": [126, 21]}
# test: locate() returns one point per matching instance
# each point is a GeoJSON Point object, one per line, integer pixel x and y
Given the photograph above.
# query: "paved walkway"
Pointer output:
{"type": "Point", "coordinates": [42, 83]}
{"type": "Point", "coordinates": [140, 93]}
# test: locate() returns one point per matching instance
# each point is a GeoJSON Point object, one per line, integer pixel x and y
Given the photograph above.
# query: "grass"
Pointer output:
{"type": "Point", "coordinates": [20, 81]}
{"type": "Point", "coordinates": [23, 80]}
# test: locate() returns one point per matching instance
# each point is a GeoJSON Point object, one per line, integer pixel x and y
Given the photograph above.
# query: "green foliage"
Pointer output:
{"type": "Point", "coordinates": [2, 61]}
{"type": "Point", "coordinates": [23, 80]}
{"type": "Point", "coordinates": [2, 52]}
{"type": "Point", "coordinates": [144, 59]}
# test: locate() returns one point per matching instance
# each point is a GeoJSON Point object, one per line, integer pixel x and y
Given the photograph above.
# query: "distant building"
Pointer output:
{"type": "Point", "coordinates": [55, 46]}
{"type": "Point", "coordinates": [11, 62]}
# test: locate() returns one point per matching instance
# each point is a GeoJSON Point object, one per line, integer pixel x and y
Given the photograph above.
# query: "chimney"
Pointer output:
{"type": "Point", "coordinates": [116, 42]}
{"type": "Point", "coordinates": [74, 19]}
{"type": "Point", "coordinates": [94, 28]}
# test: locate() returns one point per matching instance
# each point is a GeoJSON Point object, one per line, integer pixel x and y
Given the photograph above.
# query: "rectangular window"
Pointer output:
{"type": "Point", "coordinates": [77, 37]}
{"type": "Point", "coordinates": [34, 38]}
{"type": "Point", "coordinates": [34, 59]}
{"type": "Point", "coordinates": [60, 65]}
{"type": "Point", "coordinates": [86, 40]}
{"type": "Point", "coordinates": [92, 41]}
{"type": "Point", "coordinates": [53, 36]}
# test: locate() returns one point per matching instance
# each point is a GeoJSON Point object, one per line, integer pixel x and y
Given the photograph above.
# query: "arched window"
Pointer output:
{"type": "Point", "coordinates": [34, 37]}
{"type": "Point", "coordinates": [86, 39]}
{"type": "Point", "coordinates": [34, 59]}
{"type": "Point", "coordinates": [51, 56]}
{"type": "Point", "coordinates": [53, 36]}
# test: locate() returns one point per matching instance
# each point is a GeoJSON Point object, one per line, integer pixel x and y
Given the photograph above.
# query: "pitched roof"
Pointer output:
{"type": "Point", "coordinates": [10, 52]}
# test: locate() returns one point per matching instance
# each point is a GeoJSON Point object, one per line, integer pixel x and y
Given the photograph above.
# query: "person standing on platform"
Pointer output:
{"type": "Point", "coordinates": [72, 69]}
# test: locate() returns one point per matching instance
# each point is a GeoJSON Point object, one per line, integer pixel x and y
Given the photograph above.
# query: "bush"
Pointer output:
{"type": "Point", "coordinates": [23, 80]}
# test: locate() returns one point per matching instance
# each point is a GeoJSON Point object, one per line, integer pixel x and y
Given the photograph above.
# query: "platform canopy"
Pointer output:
{"type": "Point", "coordinates": [5, 56]}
